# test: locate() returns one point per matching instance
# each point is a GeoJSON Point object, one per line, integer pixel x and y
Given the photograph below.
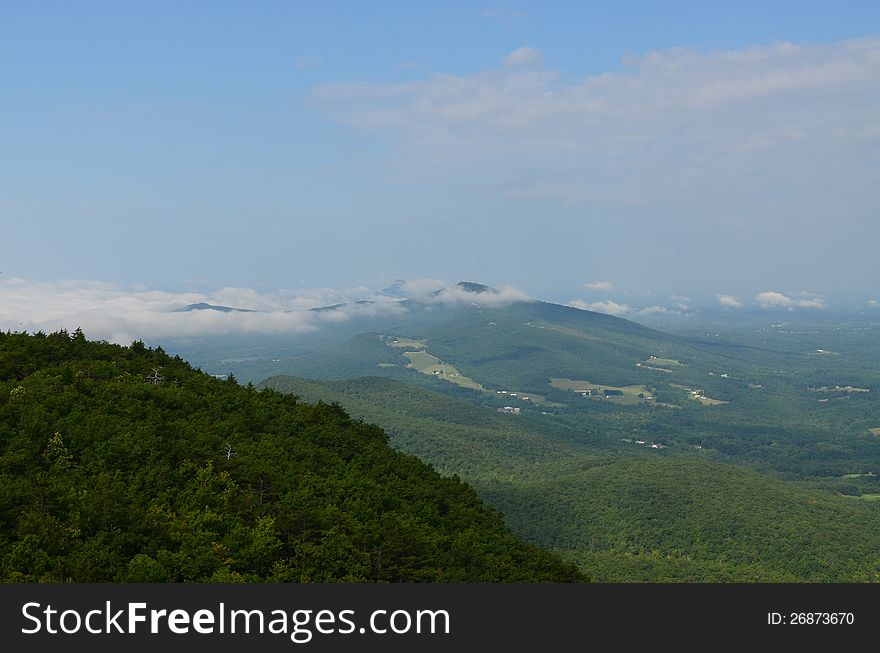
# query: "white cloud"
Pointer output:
{"type": "Point", "coordinates": [816, 302]}
{"type": "Point", "coordinates": [421, 287]}
{"type": "Point", "coordinates": [729, 301]}
{"type": "Point", "coordinates": [524, 56]}
{"type": "Point", "coordinates": [118, 314]}
{"type": "Point", "coordinates": [873, 303]}
{"type": "Point", "coordinates": [610, 307]}
{"type": "Point", "coordinates": [111, 312]}
{"type": "Point", "coordinates": [599, 285]}
{"type": "Point", "coordinates": [773, 299]}
{"type": "Point", "coordinates": [607, 306]}
{"type": "Point", "coordinates": [662, 310]}
{"type": "Point", "coordinates": [750, 133]}
{"type": "Point", "coordinates": [492, 299]}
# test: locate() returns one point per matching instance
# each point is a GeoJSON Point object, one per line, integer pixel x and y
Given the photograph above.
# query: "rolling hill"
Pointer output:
{"type": "Point", "coordinates": [623, 513]}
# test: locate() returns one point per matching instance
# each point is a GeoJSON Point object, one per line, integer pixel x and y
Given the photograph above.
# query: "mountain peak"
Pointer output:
{"type": "Point", "coordinates": [202, 306]}
{"type": "Point", "coordinates": [471, 286]}
{"type": "Point", "coordinates": [467, 287]}
{"type": "Point", "coordinates": [396, 289]}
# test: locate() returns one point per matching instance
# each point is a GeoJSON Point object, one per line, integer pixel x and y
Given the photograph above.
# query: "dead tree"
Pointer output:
{"type": "Point", "coordinates": [156, 377]}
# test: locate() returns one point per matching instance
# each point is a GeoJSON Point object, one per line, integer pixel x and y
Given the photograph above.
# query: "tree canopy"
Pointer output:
{"type": "Point", "coordinates": [125, 464]}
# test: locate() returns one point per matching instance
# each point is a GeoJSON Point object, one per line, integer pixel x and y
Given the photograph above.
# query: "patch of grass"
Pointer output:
{"type": "Point", "coordinates": [405, 343]}
{"type": "Point", "coordinates": [865, 497]}
{"type": "Point", "coordinates": [422, 361]}
{"type": "Point", "coordinates": [426, 363]}
{"type": "Point", "coordinates": [662, 362]}
{"type": "Point", "coordinates": [629, 394]}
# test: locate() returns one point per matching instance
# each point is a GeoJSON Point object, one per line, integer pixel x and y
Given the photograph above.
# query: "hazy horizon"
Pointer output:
{"type": "Point", "coordinates": [123, 314]}
{"type": "Point", "coordinates": [631, 159]}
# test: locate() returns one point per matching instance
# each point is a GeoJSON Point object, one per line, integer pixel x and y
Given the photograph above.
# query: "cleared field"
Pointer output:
{"type": "Point", "coordinates": [875, 431]}
{"type": "Point", "coordinates": [426, 363]}
{"type": "Point", "coordinates": [662, 362]}
{"type": "Point", "coordinates": [697, 395]}
{"type": "Point", "coordinates": [628, 394]}
{"type": "Point", "coordinates": [865, 497]}
{"type": "Point", "coordinates": [405, 343]}
{"type": "Point", "coordinates": [527, 397]}
{"type": "Point", "coordinates": [422, 361]}
{"type": "Point", "coordinates": [840, 388]}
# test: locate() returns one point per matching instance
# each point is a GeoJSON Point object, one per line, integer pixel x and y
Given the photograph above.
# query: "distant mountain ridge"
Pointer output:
{"type": "Point", "coordinates": [396, 291]}
{"type": "Point", "coordinates": [202, 306]}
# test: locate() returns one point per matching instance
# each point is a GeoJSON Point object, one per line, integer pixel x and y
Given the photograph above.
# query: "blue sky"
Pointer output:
{"type": "Point", "coordinates": [666, 148]}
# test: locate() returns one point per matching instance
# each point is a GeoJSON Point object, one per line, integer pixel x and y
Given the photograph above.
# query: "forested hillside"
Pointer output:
{"type": "Point", "coordinates": [624, 512]}
{"type": "Point", "coordinates": [124, 464]}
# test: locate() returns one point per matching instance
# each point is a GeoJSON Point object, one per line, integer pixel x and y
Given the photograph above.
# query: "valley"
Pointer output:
{"type": "Point", "coordinates": [694, 454]}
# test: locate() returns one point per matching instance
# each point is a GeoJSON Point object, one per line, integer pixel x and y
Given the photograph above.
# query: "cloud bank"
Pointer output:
{"type": "Point", "coordinates": [524, 56]}
{"type": "Point", "coordinates": [610, 307]}
{"type": "Point", "coordinates": [773, 299]}
{"type": "Point", "coordinates": [599, 285]}
{"type": "Point", "coordinates": [606, 306]}
{"type": "Point", "coordinates": [729, 301]}
{"type": "Point", "coordinates": [456, 295]}
{"type": "Point", "coordinates": [671, 119]}
{"type": "Point", "coordinates": [111, 312]}
{"type": "Point", "coordinates": [707, 149]}
{"type": "Point", "coordinates": [420, 287]}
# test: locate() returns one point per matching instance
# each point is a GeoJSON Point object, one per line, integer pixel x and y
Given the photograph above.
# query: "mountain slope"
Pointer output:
{"type": "Point", "coordinates": [751, 404]}
{"type": "Point", "coordinates": [123, 464]}
{"type": "Point", "coordinates": [519, 343]}
{"type": "Point", "coordinates": [623, 513]}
